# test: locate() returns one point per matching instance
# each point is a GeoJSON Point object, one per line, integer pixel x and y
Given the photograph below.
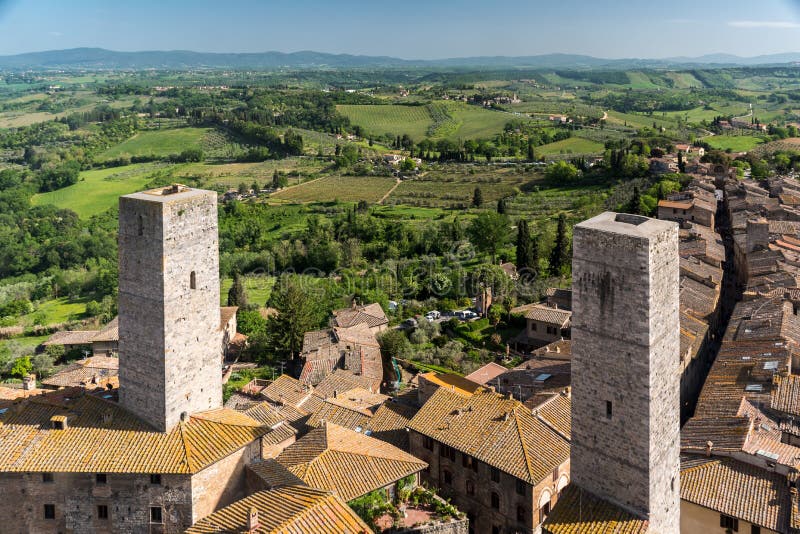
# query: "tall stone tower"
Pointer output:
{"type": "Point", "coordinates": [169, 339]}
{"type": "Point", "coordinates": [625, 366]}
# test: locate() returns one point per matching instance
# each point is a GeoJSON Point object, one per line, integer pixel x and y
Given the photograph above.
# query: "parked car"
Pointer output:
{"type": "Point", "coordinates": [432, 315]}
{"type": "Point", "coordinates": [410, 323]}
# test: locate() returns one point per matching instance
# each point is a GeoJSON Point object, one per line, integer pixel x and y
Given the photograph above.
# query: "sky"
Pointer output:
{"type": "Point", "coordinates": [411, 29]}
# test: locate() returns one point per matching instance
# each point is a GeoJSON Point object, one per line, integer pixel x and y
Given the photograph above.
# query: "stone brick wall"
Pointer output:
{"type": "Point", "coordinates": [625, 347]}
{"type": "Point", "coordinates": [76, 497]}
{"type": "Point", "coordinates": [456, 526]}
{"type": "Point", "coordinates": [223, 482]}
{"type": "Point", "coordinates": [169, 331]}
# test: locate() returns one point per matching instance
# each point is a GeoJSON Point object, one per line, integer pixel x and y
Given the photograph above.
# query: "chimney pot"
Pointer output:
{"type": "Point", "coordinates": [709, 446]}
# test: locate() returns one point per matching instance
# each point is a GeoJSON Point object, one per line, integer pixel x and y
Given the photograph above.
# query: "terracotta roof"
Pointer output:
{"type": "Point", "coordinates": [94, 371]}
{"type": "Point", "coordinates": [109, 332]}
{"type": "Point", "coordinates": [287, 390]}
{"type": "Point", "coordinates": [557, 414]}
{"type": "Point", "coordinates": [341, 380]}
{"type": "Point", "coordinates": [102, 437]}
{"type": "Point", "coordinates": [286, 510]}
{"type": "Point", "coordinates": [681, 205]}
{"type": "Point", "coordinates": [451, 381]}
{"type": "Point", "coordinates": [726, 434]}
{"type": "Point", "coordinates": [71, 337]}
{"type": "Point", "coordinates": [737, 489]}
{"type": "Point", "coordinates": [486, 373]}
{"type": "Point", "coordinates": [340, 460]}
{"type": "Point", "coordinates": [580, 512]}
{"type": "Point", "coordinates": [226, 313]}
{"type": "Point", "coordinates": [354, 348]}
{"type": "Point", "coordinates": [785, 396]}
{"type": "Point", "coordinates": [494, 429]}
{"type": "Point", "coordinates": [371, 314]}
{"type": "Point", "coordinates": [546, 314]}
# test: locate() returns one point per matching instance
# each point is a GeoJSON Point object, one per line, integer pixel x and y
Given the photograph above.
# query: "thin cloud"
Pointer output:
{"type": "Point", "coordinates": [772, 24]}
{"type": "Point", "coordinates": [55, 34]}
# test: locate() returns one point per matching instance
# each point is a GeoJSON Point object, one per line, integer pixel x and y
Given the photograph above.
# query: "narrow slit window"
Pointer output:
{"type": "Point", "coordinates": [609, 410]}
{"type": "Point", "coordinates": [140, 226]}
{"type": "Point", "coordinates": [193, 280]}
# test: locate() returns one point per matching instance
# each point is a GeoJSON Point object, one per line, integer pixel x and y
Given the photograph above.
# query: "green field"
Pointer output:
{"type": "Point", "coordinates": [98, 190]}
{"type": "Point", "coordinates": [341, 188]}
{"type": "Point", "coordinates": [476, 122]}
{"type": "Point", "coordinates": [736, 143]}
{"type": "Point", "coordinates": [633, 120]}
{"type": "Point", "coordinates": [257, 287]}
{"type": "Point", "coordinates": [56, 311]}
{"type": "Point", "coordinates": [388, 119]}
{"type": "Point", "coordinates": [455, 190]}
{"type": "Point", "coordinates": [573, 145]}
{"type": "Point", "coordinates": [157, 143]}
{"type": "Point", "coordinates": [232, 174]}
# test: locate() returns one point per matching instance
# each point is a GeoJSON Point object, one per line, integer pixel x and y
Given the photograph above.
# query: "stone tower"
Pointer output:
{"type": "Point", "coordinates": [625, 367]}
{"type": "Point", "coordinates": [169, 339]}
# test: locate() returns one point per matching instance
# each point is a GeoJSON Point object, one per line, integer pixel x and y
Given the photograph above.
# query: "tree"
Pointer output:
{"type": "Point", "coordinates": [635, 205]}
{"type": "Point", "coordinates": [22, 367]}
{"type": "Point", "coordinates": [562, 172]}
{"type": "Point", "coordinates": [394, 343]}
{"type": "Point", "coordinates": [489, 232]}
{"type": "Point", "coordinates": [501, 206]}
{"type": "Point", "coordinates": [681, 163]}
{"type": "Point", "coordinates": [559, 256]}
{"type": "Point", "coordinates": [298, 312]}
{"type": "Point", "coordinates": [408, 165]}
{"type": "Point", "coordinates": [477, 197]}
{"type": "Point", "coordinates": [255, 187]}
{"type": "Point", "coordinates": [531, 152]}
{"type": "Point", "coordinates": [236, 294]}
{"type": "Point", "coordinates": [524, 246]}
{"type": "Point", "coordinates": [242, 188]}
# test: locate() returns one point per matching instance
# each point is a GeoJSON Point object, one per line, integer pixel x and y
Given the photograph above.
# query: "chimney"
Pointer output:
{"type": "Point", "coordinates": [335, 393]}
{"type": "Point", "coordinates": [108, 417]}
{"type": "Point", "coordinates": [29, 382]}
{"type": "Point", "coordinates": [709, 446]}
{"type": "Point", "coordinates": [505, 416]}
{"type": "Point", "coordinates": [252, 520]}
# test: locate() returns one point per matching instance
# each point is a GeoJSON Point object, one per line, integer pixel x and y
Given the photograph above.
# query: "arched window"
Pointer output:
{"type": "Point", "coordinates": [140, 225]}
{"type": "Point", "coordinates": [192, 280]}
{"type": "Point", "coordinates": [495, 501]}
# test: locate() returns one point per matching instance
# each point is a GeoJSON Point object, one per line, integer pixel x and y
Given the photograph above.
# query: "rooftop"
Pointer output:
{"type": "Point", "coordinates": [451, 381]}
{"type": "Point", "coordinates": [580, 512]}
{"type": "Point", "coordinates": [291, 509]}
{"type": "Point", "coordinates": [625, 224]}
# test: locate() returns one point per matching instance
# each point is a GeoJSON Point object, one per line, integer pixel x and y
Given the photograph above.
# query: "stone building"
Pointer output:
{"type": "Point", "coordinates": [625, 374]}
{"type": "Point", "coordinates": [169, 304]}
{"type": "Point", "coordinates": [502, 463]}
{"type": "Point", "coordinates": [159, 453]}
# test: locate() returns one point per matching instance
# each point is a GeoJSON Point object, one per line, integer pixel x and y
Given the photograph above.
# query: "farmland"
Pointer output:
{"type": "Point", "coordinates": [338, 188]}
{"type": "Point", "coordinates": [230, 175]}
{"type": "Point", "coordinates": [97, 190]}
{"type": "Point", "coordinates": [157, 143]}
{"type": "Point", "coordinates": [573, 145]}
{"type": "Point", "coordinates": [388, 119]}
{"type": "Point", "coordinates": [735, 143]}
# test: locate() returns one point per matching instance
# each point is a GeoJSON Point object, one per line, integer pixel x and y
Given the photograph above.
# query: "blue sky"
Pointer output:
{"type": "Point", "coordinates": [410, 29]}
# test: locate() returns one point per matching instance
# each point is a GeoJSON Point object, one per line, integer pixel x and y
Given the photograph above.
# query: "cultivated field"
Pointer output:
{"type": "Point", "coordinates": [338, 188]}
{"type": "Point", "coordinates": [98, 190]}
{"type": "Point", "coordinates": [735, 143]}
{"type": "Point", "coordinates": [388, 119]}
{"type": "Point", "coordinates": [296, 169]}
{"type": "Point", "coordinates": [573, 145]}
{"type": "Point", "coordinates": [157, 143]}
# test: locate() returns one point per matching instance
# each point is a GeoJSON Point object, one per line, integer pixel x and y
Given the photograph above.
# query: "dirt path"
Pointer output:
{"type": "Point", "coordinates": [384, 197]}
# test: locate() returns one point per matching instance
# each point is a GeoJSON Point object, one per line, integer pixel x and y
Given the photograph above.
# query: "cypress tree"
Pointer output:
{"type": "Point", "coordinates": [477, 197]}
{"type": "Point", "coordinates": [531, 153]}
{"type": "Point", "coordinates": [501, 206]}
{"type": "Point", "coordinates": [236, 294]}
{"type": "Point", "coordinates": [635, 206]}
{"type": "Point", "coordinates": [560, 252]}
{"type": "Point", "coordinates": [523, 245]}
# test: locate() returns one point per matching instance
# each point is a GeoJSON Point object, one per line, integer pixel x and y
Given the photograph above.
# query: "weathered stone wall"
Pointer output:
{"type": "Point", "coordinates": [76, 497]}
{"type": "Point", "coordinates": [223, 482]}
{"type": "Point", "coordinates": [625, 347]}
{"type": "Point", "coordinates": [456, 526]}
{"type": "Point", "coordinates": [169, 331]}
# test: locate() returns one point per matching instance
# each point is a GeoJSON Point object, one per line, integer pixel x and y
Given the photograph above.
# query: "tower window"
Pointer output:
{"type": "Point", "coordinates": [49, 511]}
{"type": "Point", "coordinates": [47, 478]}
{"type": "Point", "coordinates": [155, 514]}
{"type": "Point", "coordinates": [609, 410]}
{"type": "Point", "coordinates": [140, 226]}
{"type": "Point", "coordinates": [192, 280]}
{"type": "Point", "coordinates": [101, 478]}
{"type": "Point", "coordinates": [495, 501]}
{"type": "Point", "coordinates": [155, 479]}
{"type": "Point", "coordinates": [729, 522]}
{"type": "Point", "coordinates": [102, 511]}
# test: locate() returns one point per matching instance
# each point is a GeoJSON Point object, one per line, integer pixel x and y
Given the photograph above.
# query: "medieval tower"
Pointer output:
{"type": "Point", "coordinates": [625, 375]}
{"type": "Point", "coordinates": [169, 356]}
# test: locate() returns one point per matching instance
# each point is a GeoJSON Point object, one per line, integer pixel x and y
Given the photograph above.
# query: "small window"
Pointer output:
{"type": "Point", "coordinates": [101, 478]}
{"type": "Point", "coordinates": [155, 514]}
{"type": "Point", "coordinates": [521, 513]}
{"type": "Point", "coordinates": [192, 280]}
{"type": "Point", "coordinates": [544, 511]}
{"type": "Point", "coordinates": [102, 511]}
{"type": "Point", "coordinates": [427, 442]}
{"type": "Point", "coordinates": [609, 410]}
{"type": "Point", "coordinates": [495, 474]}
{"type": "Point", "coordinates": [522, 488]}
{"type": "Point", "coordinates": [155, 479]}
{"type": "Point", "coordinates": [470, 487]}
{"type": "Point", "coordinates": [533, 326]}
{"type": "Point", "coordinates": [555, 474]}
{"type": "Point", "coordinates": [755, 529]}
{"type": "Point", "coordinates": [47, 478]}
{"type": "Point", "coordinates": [140, 226]}
{"type": "Point", "coordinates": [495, 529]}
{"type": "Point", "coordinates": [448, 477]}
{"type": "Point", "coordinates": [726, 521]}
{"type": "Point", "coordinates": [495, 501]}
{"type": "Point", "coordinates": [49, 511]}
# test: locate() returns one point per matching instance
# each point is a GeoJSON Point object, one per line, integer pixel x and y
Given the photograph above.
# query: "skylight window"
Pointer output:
{"type": "Point", "coordinates": [771, 365]}
{"type": "Point", "coordinates": [542, 377]}
{"type": "Point", "coordinates": [755, 388]}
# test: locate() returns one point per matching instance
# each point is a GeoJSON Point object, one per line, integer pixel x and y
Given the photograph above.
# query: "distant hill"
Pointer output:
{"type": "Point", "coordinates": [99, 58]}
